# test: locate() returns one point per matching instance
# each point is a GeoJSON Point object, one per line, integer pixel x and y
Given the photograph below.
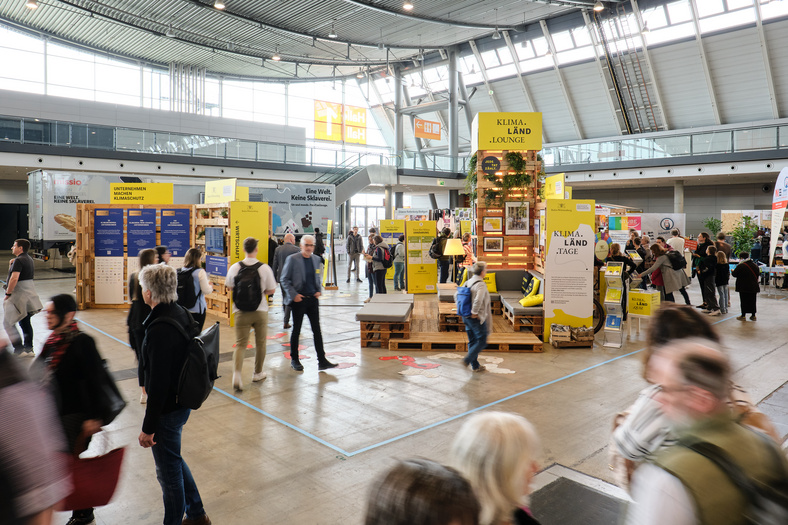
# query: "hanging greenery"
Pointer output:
{"type": "Point", "coordinates": [470, 180]}
{"type": "Point", "coordinates": [540, 177]}
{"type": "Point", "coordinates": [509, 183]}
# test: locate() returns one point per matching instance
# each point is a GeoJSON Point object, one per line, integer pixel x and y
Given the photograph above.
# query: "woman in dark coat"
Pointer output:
{"type": "Point", "coordinates": [138, 311]}
{"type": "Point", "coordinates": [746, 274]}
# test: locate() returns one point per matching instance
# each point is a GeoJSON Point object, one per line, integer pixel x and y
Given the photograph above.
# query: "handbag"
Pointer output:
{"type": "Point", "coordinates": [94, 480]}
{"type": "Point", "coordinates": [109, 403]}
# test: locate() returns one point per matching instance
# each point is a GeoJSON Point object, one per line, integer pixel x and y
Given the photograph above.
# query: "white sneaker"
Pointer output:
{"type": "Point", "coordinates": [237, 383]}
{"type": "Point", "coordinates": [714, 313]}
{"type": "Point", "coordinates": [143, 398]}
{"type": "Point", "coordinates": [259, 377]}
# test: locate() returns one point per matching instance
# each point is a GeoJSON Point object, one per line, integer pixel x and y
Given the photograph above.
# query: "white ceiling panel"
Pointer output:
{"type": "Point", "coordinates": [777, 42]}
{"type": "Point", "coordinates": [590, 100]}
{"type": "Point", "coordinates": [549, 99]}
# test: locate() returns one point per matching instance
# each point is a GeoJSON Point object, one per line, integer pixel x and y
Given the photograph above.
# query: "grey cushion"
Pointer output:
{"type": "Point", "coordinates": [446, 296]}
{"type": "Point", "coordinates": [495, 297]}
{"type": "Point", "coordinates": [385, 312]}
{"type": "Point", "coordinates": [513, 305]}
{"type": "Point", "coordinates": [510, 280]}
{"type": "Point", "coordinates": [392, 298]}
{"type": "Point", "coordinates": [512, 296]}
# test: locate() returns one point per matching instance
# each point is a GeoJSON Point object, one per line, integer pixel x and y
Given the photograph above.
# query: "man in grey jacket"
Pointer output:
{"type": "Point", "coordinates": [479, 325]}
{"type": "Point", "coordinates": [355, 247]}
{"type": "Point", "coordinates": [280, 255]}
{"type": "Point", "coordinates": [301, 282]}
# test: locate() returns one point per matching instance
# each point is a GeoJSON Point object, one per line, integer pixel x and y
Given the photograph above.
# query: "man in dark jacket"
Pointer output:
{"type": "Point", "coordinates": [707, 271]}
{"type": "Point", "coordinates": [746, 274]}
{"type": "Point", "coordinates": [355, 247]}
{"type": "Point", "coordinates": [165, 352]}
{"type": "Point", "coordinates": [282, 253]}
{"type": "Point", "coordinates": [445, 261]}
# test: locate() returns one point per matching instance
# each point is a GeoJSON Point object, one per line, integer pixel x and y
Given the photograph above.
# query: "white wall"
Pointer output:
{"type": "Point", "coordinates": [13, 192]}
{"type": "Point", "coordinates": [17, 104]}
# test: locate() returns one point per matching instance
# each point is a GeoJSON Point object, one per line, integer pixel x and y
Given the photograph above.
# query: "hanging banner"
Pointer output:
{"type": "Point", "coordinates": [554, 187]}
{"type": "Point", "coordinates": [569, 268]}
{"type": "Point", "coordinates": [412, 214]}
{"type": "Point", "coordinates": [298, 208]}
{"type": "Point", "coordinates": [506, 131]}
{"type": "Point", "coordinates": [175, 233]}
{"type": "Point", "coordinates": [422, 270]}
{"type": "Point", "coordinates": [219, 191]}
{"type": "Point", "coordinates": [149, 193]}
{"type": "Point", "coordinates": [336, 122]}
{"type": "Point", "coordinates": [779, 204]}
{"type": "Point", "coordinates": [427, 129]}
{"type": "Point", "coordinates": [108, 232]}
{"type": "Point", "coordinates": [390, 231]}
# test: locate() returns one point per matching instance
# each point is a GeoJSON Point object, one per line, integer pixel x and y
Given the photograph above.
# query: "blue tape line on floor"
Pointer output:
{"type": "Point", "coordinates": [102, 332]}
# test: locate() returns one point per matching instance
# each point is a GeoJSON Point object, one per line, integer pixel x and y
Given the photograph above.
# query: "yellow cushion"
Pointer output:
{"type": "Point", "coordinates": [533, 287]}
{"type": "Point", "coordinates": [489, 280]}
{"type": "Point", "coordinates": [465, 273]}
{"type": "Point", "coordinates": [532, 300]}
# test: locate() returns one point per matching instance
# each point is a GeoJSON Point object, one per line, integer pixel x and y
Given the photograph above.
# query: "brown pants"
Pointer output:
{"type": "Point", "coordinates": [244, 323]}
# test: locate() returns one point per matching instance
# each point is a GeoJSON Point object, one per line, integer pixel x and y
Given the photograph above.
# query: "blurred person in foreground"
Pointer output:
{"type": "Point", "coordinates": [138, 312]}
{"type": "Point", "coordinates": [497, 452]}
{"type": "Point", "coordinates": [683, 486]}
{"type": "Point", "coordinates": [165, 351]}
{"type": "Point", "coordinates": [421, 492]}
{"type": "Point", "coordinates": [33, 472]}
{"type": "Point", "coordinates": [69, 365]}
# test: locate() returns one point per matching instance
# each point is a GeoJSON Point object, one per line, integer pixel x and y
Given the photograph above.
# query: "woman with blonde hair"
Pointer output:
{"type": "Point", "coordinates": [496, 452]}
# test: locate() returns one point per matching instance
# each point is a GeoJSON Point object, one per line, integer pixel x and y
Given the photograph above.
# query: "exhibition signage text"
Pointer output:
{"type": "Point", "coordinates": [507, 131]}
{"type": "Point", "coordinates": [149, 193]}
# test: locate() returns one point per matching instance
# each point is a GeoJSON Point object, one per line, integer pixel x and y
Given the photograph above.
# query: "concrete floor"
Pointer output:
{"type": "Point", "coordinates": [303, 447]}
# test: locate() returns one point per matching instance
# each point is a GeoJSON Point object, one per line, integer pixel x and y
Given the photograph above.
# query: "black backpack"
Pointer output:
{"type": "Point", "coordinates": [247, 291]}
{"type": "Point", "coordinates": [201, 367]}
{"type": "Point", "coordinates": [393, 250]}
{"type": "Point", "coordinates": [436, 248]}
{"type": "Point", "coordinates": [186, 296]}
{"type": "Point", "coordinates": [385, 258]}
{"type": "Point", "coordinates": [677, 260]}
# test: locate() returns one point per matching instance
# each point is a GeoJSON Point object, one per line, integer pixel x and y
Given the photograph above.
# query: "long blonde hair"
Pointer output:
{"type": "Point", "coordinates": [494, 451]}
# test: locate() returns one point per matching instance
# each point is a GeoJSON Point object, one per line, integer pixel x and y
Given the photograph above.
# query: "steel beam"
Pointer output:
{"type": "Point", "coordinates": [521, 78]}
{"type": "Point", "coordinates": [483, 69]}
{"type": "Point", "coordinates": [706, 72]}
{"type": "Point", "coordinates": [561, 82]}
{"type": "Point", "coordinates": [766, 62]}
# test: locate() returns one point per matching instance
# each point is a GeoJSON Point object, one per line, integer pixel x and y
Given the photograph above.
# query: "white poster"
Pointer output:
{"type": "Point", "coordinates": [108, 280]}
{"type": "Point", "coordinates": [412, 214]}
{"type": "Point", "coordinates": [298, 208]}
{"type": "Point", "coordinates": [660, 224]}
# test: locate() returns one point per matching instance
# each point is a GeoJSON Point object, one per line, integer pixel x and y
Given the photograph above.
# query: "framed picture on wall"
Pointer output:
{"type": "Point", "coordinates": [518, 220]}
{"type": "Point", "coordinates": [493, 244]}
{"type": "Point", "coordinates": [492, 224]}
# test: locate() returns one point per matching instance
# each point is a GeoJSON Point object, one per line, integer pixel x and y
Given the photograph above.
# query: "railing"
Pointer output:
{"type": "Point", "coordinates": [412, 160]}
{"type": "Point", "coordinates": [75, 135]}
{"type": "Point", "coordinates": [662, 145]}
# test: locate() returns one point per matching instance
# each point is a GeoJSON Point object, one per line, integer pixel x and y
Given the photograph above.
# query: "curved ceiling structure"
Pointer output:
{"type": "Point", "coordinates": [313, 38]}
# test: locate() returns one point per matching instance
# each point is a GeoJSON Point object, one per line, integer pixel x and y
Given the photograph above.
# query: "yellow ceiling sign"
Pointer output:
{"type": "Point", "coordinates": [336, 122]}
{"type": "Point", "coordinates": [134, 193]}
{"type": "Point", "coordinates": [507, 131]}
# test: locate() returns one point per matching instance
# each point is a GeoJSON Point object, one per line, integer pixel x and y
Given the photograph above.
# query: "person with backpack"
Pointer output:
{"type": "Point", "coordinates": [673, 278]}
{"type": "Point", "coordinates": [302, 284]}
{"type": "Point", "coordinates": [381, 262]}
{"type": "Point", "coordinates": [398, 252]}
{"type": "Point", "coordinates": [746, 274]}
{"type": "Point", "coordinates": [436, 252]}
{"type": "Point", "coordinates": [370, 251]}
{"type": "Point", "coordinates": [166, 351]}
{"type": "Point", "coordinates": [138, 312]}
{"type": "Point", "coordinates": [473, 304]}
{"type": "Point", "coordinates": [193, 286]}
{"type": "Point", "coordinates": [251, 281]}
{"type": "Point", "coordinates": [717, 468]}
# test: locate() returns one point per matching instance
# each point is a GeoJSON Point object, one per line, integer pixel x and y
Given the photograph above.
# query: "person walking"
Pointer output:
{"type": "Point", "coordinates": [282, 253]}
{"type": "Point", "coordinates": [21, 300]}
{"type": "Point", "coordinates": [479, 325]}
{"type": "Point", "coordinates": [194, 299]}
{"type": "Point", "coordinates": [676, 242]}
{"type": "Point", "coordinates": [138, 312]}
{"type": "Point", "coordinates": [368, 259]}
{"type": "Point", "coordinates": [354, 246]}
{"type": "Point", "coordinates": [746, 274]}
{"type": "Point", "coordinates": [301, 281]}
{"type": "Point", "coordinates": [69, 365]}
{"type": "Point", "coordinates": [165, 351]}
{"type": "Point", "coordinates": [378, 268]}
{"type": "Point", "coordinates": [163, 254]}
{"type": "Point", "coordinates": [320, 247]}
{"type": "Point", "coordinates": [251, 282]}
{"type": "Point", "coordinates": [399, 264]}
{"type": "Point", "coordinates": [721, 280]}
{"type": "Point", "coordinates": [672, 280]}
{"type": "Point", "coordinates": [707, 271]}
{"type": "Point", "coordinates": [445, 260]}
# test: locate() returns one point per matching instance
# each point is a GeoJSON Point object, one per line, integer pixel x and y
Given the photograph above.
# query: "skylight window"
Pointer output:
{"type": "Point", "coordinates": [732, 19]}
{"type": "Point", "coordinates": [563, 41]}
{"type": "Point", "coordinates": [710, 8]}
{"type": "Point", "coordinates": [524, 50]}
{"type": "Point", "coordinates": [670, 33]}
{"type": "Point", "coordinates": [504, 55]}
{"type": "Point", "coordinates": [540, 46]}
{"type": "Point", "coordinates": [679, 12]}
{"type": "Point", "coordinates": [581, 36]}
{"type": "Point", "coordinates": [655, 18]}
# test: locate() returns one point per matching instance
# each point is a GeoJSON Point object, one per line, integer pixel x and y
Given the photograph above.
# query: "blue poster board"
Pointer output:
{"type": "Point", "coordinates": [175, 225]}
{"type": "Point", "coordinates": [216, 265]}
{"type": "Point", "coordinates": [140, 230]}
{"type": "Point", "coordinates": [108, 232]}
{"type": "Point", "coordinates": [214, 240]}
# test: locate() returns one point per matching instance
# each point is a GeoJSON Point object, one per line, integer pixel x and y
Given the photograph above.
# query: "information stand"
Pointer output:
{"type": "Point", "coordinates": [614, 333]}
{"type": "Point", "coordinates": [422, 270]}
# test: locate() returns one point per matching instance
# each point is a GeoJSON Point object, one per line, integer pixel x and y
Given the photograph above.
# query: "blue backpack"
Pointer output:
{"type": "Point", "coordinates": [465, 301]}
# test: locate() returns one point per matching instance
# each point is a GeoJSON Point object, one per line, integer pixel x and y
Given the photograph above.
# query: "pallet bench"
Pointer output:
{"type": "Point", "coordinates": [428, 342]}
{"type": "Point", "coordinates": [517, 342]}
{"type": "Point", "coordinates": [381, 333]}
{"type": "Point", "coordinates": [448, 318]}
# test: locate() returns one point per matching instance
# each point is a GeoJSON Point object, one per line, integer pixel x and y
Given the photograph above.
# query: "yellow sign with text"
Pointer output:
{"type": "Point", "coordinates": [336, 122]}
{"type": "Point", "coordinates": [643, 303]}
{"type": "Point", "coordinates": [222, 190]}
{"type": "Point", "coordinates": [507, 131]}
{"type": "Point", "coordinates": [554, 187]}
{"type": "Point", "coordinates": [421, 269]}
{"type": "Point", "coordinates": [133, 193]}
{"type": "Point", "coordinates": [248, 219]}
{"type": "Point", "coordinates": [466, 227]}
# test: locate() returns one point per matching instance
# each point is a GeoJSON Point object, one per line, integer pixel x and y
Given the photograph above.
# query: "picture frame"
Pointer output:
{"type": "Point", "coordinates": [492, 224]}
{"type": "Point", "coordinates": [518, 218]}
{"type": "Point", "coordinates": [493, 244]}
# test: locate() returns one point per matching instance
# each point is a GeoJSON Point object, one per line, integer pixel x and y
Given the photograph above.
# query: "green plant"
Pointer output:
{"type": "Point", "coordinates": [205, 214]}
{"type": "Point", "coordinates": [224, 214]}
{"type": "Point", "coordinates": [540, 177]}
{"type": "Point", "coordinates": [744, 235]}
{"type": "Point", "coordinates": [470, 180]}
{"type": "Point", "coordinates": [713, 225]}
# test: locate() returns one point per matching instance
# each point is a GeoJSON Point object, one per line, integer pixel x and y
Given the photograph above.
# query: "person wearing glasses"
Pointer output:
{"type": "Point", "coordinates": [301, 282]}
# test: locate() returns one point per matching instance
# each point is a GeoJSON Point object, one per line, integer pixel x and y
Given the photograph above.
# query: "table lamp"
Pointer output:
{"type": "Point", "coordinates": [454, 247]}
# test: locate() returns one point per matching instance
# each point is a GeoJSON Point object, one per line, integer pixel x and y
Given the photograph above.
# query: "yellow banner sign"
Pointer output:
{"type": "Point", "coordinates": [422, 272]}
{"type": "Point", "coordinates": [355, 134]}
{"type": "Point", "coordinates": [151, 193]}
{"type": "Point", "coordinates": [222, 190]}
{"type": "Point", "coordinates": [507, 131]}
{"type": "Point", "coordinates": [336, 122]}
{"type": "Point", "coordinates": [355, 116]}
{"type": "Point", "coordinates": [554, 187]}
{"type": "Point", "coordinates": [427, 129]}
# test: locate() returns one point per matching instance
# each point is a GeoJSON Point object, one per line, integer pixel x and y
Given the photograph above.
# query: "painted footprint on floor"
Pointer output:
{"type": "Point", "coordinates": [343, 354]}
{"type": "Point", "coordinates": [418, 372]}
{"type": "Point", "coordinates": [491, 363]}
{"type": "Point", "coordinates": [287, 354]}
{"type": "Point", "coordinates": [300, 347]}
{"type": "Point", "coordinates": [407, 360]}
{"type": "Point", "coordinates": [277, 336]}
{"type": "Point", "coordinates": [250, 345]}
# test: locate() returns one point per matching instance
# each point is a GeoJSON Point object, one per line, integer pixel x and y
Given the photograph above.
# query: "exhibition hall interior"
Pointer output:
{"type": "Point", "coordinates": [508, 207]}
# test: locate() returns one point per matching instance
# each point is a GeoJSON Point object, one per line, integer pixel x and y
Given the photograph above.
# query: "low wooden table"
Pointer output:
{"type": "Point", "coordinates": [448, 318]}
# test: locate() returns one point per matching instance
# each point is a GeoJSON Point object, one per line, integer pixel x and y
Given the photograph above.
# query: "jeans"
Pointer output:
{"type": "Point", "coordinates": [371, 279]}
{"type": "Point", "coordinates": [286, 307]}
{"type": "Point", "coordinates": [310, 307]}
{"type": "Point", "coordinates": [380, 281]}
{"type": "Point", "coordinates": [444, 267]}
{"type": "Point", "coordinates": [177, 484]}
{"type": "Point", "coordinates": [353, 264]}
{"type": "Point", "coordinates": [245, 322]}
{"type": "Point", "coordinates": [709, 294]}
{"type": "Point", "coordinates": [477, 340]}
{"type": "Point", "coordinates": [723, 292]}
{"type": "Point", "coordinates": [399, 275]}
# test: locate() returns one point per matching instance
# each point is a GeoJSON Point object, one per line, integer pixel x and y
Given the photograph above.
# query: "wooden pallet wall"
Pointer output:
{"type": "Point", "coordinates": [518, 250]}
